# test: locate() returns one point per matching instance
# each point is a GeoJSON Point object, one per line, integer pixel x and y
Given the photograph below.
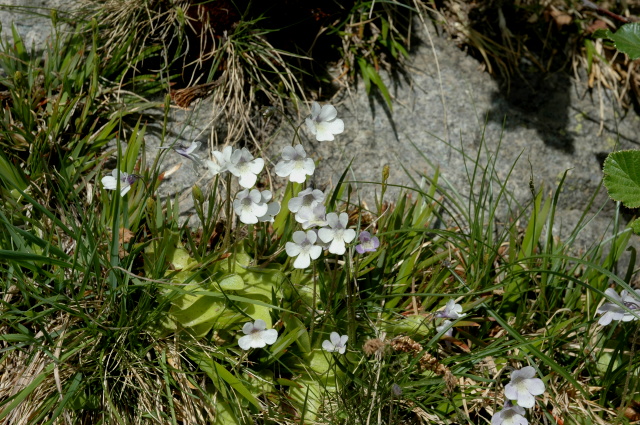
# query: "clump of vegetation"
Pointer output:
{"type": "Point", "coordinates": [248, 55]}
{"type": "Point", "coordinates": [299, 306]}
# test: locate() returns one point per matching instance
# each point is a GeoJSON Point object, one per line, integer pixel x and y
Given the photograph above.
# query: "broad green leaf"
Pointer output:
{"type": "Point", "coordinates": [622, 177]}
{"type": "Point", "coordinates": [627, 40]}
{"type": "Point", "coordinates": [232, 283]}
{"type": "Point", "coordinates": [260, 312]}
{"type": "Point", "coordinates": [181, 260]}
{"type": "Point", "coordinates": [205, 309]}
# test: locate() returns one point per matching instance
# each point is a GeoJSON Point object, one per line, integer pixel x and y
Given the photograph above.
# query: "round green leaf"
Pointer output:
{"type": "Point", "coordinates": [622, 177]}
{"type": "Point", "coordinates": [627, 40]}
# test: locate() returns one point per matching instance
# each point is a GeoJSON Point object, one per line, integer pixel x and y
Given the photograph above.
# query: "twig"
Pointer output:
{"type": "Point", "coordinates": [591, 5]}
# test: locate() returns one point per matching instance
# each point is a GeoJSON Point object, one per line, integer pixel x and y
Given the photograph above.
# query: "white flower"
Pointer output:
{"type": "Point", "coordinates": [249, 206]}
{"type": "Point", "coordinates": [243, 166]}
{"type": "Point", "coordinates": [295, 164]}
{"type": "Point", "coordinates": [303, 246]}
{"type": "Point", "coordinates": [223, 161]}
{"type": "Point", "coordinates": [272, 209]}
{"type": "Point", "coordinates": [448, 325]}
{"type": "Point", "coordinates": [323, 122]}
{"type": "Point", "coordinates": [126, 180]}
{"type": "Point", "coordinates": [510, 415]}
{"type": "Point", "coordinates": [257, 335]}
{"type": "Point", "coordinates": [312, 217]}
{"type": "Point", "coordinates": [307, 198]}
{"type": "Point", "coordinates": [187, 152]}
{"type": "Point", "coordinates": [523, 387]}
{"type": "Point", "coordinates": [338, 343]}
{"type": "Point", "coordinates": [337, 233]}
{"type": "Point", "coordinates": [451, 311]}
{"type": "Point", "coordinates": [612, 311]}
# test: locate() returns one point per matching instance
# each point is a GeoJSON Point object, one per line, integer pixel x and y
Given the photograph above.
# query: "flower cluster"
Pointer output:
{"type": "Point", "coordinates": [238, 162]}
{"type": "Point", "coordinates": [332, 234]}
{"type": "Point", "coordinates": [522, 389]}
{"type": "Point", "coordinates": [615, 311]}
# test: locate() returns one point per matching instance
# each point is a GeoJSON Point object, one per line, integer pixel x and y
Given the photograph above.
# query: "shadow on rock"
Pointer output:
{"type": "Point", "coordinates": [537, 100]}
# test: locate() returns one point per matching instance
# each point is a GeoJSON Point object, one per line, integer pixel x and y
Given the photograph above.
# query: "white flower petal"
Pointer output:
{"type": "Point", "coordinates": [259, 325]}
{"type": "Point", "coordinates": [109, 182]}
{"type": "Point", "coordinates": [328, 346]}
{"type": "Point", "coordinates": [315, 252]}
{"type": "Point", "coordinates": [302, 261]}
{"type": "Point", "coordinates": [292, 249]}
{"type": "Point", "coordinates": [327, 113]}
{"type": "Point", "coordinates": [284, 168]}
{"type": "Point", "coordinates": [348, 235]}
{"type": "Point", "coordinates": [299, 237]}
{"type": "Point", "coordinates": [245, 342]}
{"type": "Point", "coordinates": [270, 336]}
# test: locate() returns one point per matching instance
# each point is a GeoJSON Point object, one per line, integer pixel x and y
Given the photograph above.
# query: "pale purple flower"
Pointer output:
{"type": "Point", "coordinates": [612, 311]}
{"type": "Point", "coordinates": [448, 325]}
{"type": "Point", "coordinates": [257, 335]}
{"type": "Point", "coordinates": [337, 233]}
{"type": "Point", "coordinates": [126, 180]}
{"type": "Point", "coordinates": [295, 164]}
{"type": "Point", "coordinates": [451, 311]}
{"type": "Point", "coordinates": [396, 390]}
{"type": "Point", "coordinates": [312, 217]}
{"type": "Point", "coordinates": [367, 243]}
{"type": "Point", "coordinates": [273, 208]}
{"type": "Point", "coordinates": [249, 206]}
{"type": "Point", "coordinates": [187, 152]}
{"type": "Point", "coordinates": [245, 167]}
{"type": "Point", "coordinates": [510, 415]}
{"type": "Point", "coordinates": [336, 342]}
{"type": "Point", "coordinates": [223, 161]}
{"type": "Point", "coordinates": [323, 123]}
{"type": "Point", "coordinates": [307, 198]}
{"type": "Point", "coordinates": [303, 247]}
{"type": "Point", "coordinates": [524, 386]}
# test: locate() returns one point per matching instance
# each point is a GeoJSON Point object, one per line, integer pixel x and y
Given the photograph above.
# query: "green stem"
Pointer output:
{"type": "Point", "coordinates": [351, 328]}
{"type": "Point", "coordinates": [313, 303]}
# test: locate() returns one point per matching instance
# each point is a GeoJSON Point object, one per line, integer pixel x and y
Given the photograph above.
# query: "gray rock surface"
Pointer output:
{"type": "Point", "coordinates": [32, 19]}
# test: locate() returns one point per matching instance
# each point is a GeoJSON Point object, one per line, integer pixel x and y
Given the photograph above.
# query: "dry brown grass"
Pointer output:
{"type": "Point", "coordinates": [231, 65]}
